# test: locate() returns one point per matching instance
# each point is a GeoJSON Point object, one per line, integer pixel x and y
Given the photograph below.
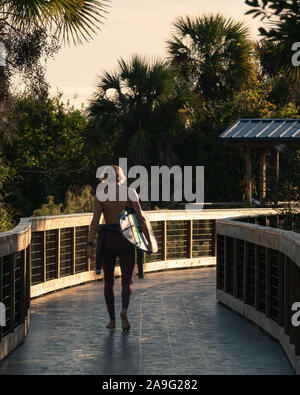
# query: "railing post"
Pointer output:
{"type": "Point", "coordinates": [88, 259]}
{"type": "Point", "coordinates": [217, 263]}
{"type": "Point", "coordinates": [164, 240]}
{"type": "Point", "coordinates": [73, 241]}
{"type": "Point", "coordinates": [190, 239]}
{"type": "Point", "coordinates": [257, 278]}
{"type": "Point", "coordinates": [281, 289]}
{"type": "Point", "coordinates": [23, 289]}
{"type": "Point", "coordinates": [44, 265]}
{"type": "Point", "coordinates": [28, 277]}
{"type": "Point", "coordinates": [292, 300]}
{"type": "Point", "coordinates": [1, 293]}
{"type": "Point", "coordinates": [235, 265]}
{"type": "Point", "coordinates": [245, 279]}
{"type": "Point", "coordinates": [57, 253]}
{"type": "Point", "coordinates": [225, 265]}
{"type": "Point", "coordinates": [297, 299]}
{"type": "Point", "coordinates": [214, 238]}
{"type": "Point", "coordinates": [12, 293]}
{"type": "Point", "coordinates": [287, 304]}
{"type": "Point", "coordinates": [268, 283]}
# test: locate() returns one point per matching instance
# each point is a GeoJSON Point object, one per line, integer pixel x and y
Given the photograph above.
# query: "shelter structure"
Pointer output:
{"type": "Point", "coordinates": [263, 137]}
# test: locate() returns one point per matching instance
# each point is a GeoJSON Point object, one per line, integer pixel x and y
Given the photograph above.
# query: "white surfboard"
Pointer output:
{"type": "Point", "coordinates": [131, 230]}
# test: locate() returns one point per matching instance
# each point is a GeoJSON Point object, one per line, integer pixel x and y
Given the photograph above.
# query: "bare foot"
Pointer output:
{"type": "Point", "coordinates": [125, 322]}
{"type": "Point", "coordinates": [111, 325]}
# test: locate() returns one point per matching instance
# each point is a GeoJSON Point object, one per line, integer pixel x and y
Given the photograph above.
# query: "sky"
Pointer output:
{"type": "Point", "coordinates": [132, 27]}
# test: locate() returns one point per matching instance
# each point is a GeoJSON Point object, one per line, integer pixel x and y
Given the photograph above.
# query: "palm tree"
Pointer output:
{"type": "Point", "coordinates": [283, 26]}
{"type": "Point", "coordinates": [212, 54]}
{"type": "Point", "coordinates": [140, 110]}
{"type": "Point", "coordinates": [67, 19]}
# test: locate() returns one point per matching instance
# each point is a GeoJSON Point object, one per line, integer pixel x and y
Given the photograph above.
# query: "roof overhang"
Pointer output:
{"type": "Point", "coordinates": [262, 133]}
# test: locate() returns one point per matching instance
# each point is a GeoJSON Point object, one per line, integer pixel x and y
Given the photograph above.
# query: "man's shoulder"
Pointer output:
{"type": "Point", "coordinates": [131, 192]}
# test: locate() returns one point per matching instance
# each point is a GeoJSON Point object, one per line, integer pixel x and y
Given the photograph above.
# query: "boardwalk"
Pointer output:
{"type": "Point", "coordinates": [177, 328]}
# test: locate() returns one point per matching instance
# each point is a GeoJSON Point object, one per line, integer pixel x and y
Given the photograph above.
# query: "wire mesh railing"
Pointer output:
{"type": "Point", "coordinates": [260, 268]}
{"type": "Point", "coordinates": [42, 252]}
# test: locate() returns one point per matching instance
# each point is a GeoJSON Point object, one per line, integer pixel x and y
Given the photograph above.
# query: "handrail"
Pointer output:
{"type": "Point", "coordinates": [45, 254]}
{"type": "Point", "coordinates": [258, 275]}
{"type": "Point", "coordinates": [16, 239]}
{"type": "Point", "coordinates": [286, 242]}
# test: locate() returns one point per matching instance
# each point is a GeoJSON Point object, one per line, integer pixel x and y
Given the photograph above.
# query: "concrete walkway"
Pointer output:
{"type": "Point", "coordinates": [177, 328]}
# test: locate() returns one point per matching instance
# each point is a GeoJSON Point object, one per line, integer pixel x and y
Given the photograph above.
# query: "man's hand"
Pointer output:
{"type": "Point", "coordinates": [90, 252]}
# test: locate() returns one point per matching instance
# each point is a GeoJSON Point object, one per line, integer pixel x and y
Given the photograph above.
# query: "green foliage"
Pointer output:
{"type": "Point", "coordinates": [49, 208]}
{"type": "Point", "coordinates": [48, 153]}
{"type": "Point", "coordinates": [138, 110]}
{"type": "Point", "coordinates": [223, 162]}
{"type": "Point", "coordinates": [283, 20]}
{"type": "Point", "coordinates": [77, 200]}
{"type": "Point", "coordinates": [6, 212]}
{"type": "Point", "coordinates": [213, 55]}
{"type": "Point", "coordinates": [68, 19]}
{"type": "Point", "coordinates": [159, 112]}
{"type": "Point", "coordinates": [4, 172]}
{"type": "Point", "coordinates": [7, 217]}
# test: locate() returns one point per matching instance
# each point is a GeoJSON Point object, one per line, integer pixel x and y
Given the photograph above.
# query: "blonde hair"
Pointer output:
{"type": "Point", "coordinates": [119, 174]}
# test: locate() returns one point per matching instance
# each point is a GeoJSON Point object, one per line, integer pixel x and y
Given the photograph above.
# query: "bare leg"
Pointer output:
{"type": "Point", "coordinates": [127, 267]}
{"type": "Point", "coordinates": [109, 269]}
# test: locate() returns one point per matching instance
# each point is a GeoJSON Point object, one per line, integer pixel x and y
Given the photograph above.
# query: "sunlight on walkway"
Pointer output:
{"type": "Point", "coordinates": [177, 328]}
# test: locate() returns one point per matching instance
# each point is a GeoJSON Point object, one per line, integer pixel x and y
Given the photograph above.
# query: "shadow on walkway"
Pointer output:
{"type": "Point", "coordinates": [177, 328]}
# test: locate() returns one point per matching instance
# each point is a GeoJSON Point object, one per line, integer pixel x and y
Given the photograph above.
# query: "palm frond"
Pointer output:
{"type": "Point", "coordinates": [69, 20]}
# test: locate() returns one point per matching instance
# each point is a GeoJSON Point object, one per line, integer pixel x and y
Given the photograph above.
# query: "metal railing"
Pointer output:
{"type": "Point", "coordinates": [258, 275]}
{"type": "Point", "coordinates": [44, 254]}
{"type": "Point", "coordinates": [15, 282]}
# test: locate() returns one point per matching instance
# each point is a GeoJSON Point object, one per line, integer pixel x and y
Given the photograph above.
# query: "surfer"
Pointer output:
{"type": "Point", "coordinates": [114, 244]}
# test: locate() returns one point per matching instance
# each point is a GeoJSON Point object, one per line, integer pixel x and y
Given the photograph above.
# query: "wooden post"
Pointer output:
{"type": "Point", "coordinates": [12, 293]}
{"type": "Point", "coordinates": [297, 299]}
{"type": "Point", "coordinates": [248, 175]}
{"type": "Point", "coordinates": [28, 277]}
{"type": "Point", "coordinates": [88, 260]}
{"type": "Point", "coordinates": [287, 304]}
{"type": "Point", "coordinates": [217, 262]}
{"type": "Point", "coordinates": [263, 175]}
{"type": "Point", "coordinates": [257, 279]}
{"type": "Point", "coordinates": [57, 253]}
{"type": "Point", "coordinates": [281, 289]}
{"type": "Point", "coordinates": [246, 262]}
{"type": "Point", "coordinates": [23, 288]}
{"type": "Point", "coordinates": [73, 256]}
{"type": "Point", "coordinates": [164, 240]}
{"type": "Point", "coordinates": [276, 165]}
{"type": "Point", "coordinates": [190, 239]}
{"type": "Point", "coordinates": [268, 283]}
{"type": "Point", "coordinates": [44, 266]}
{"type": "Point", "coordinates": [1, 293]}
{"type": "Point", "coordinates": [214, 239]}
{"type": "Point", "coordinates": [235, 265]}
{"type": "Point", "coordinates": [225, 265]}
{"type": "Point", "coordinates": [292, 300]}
